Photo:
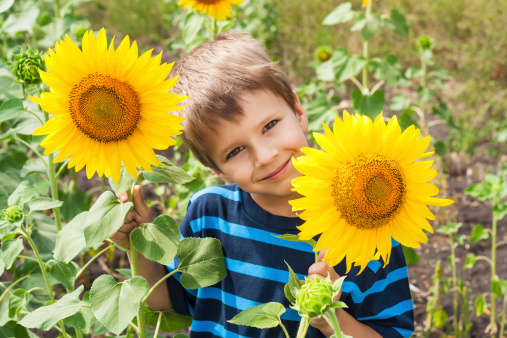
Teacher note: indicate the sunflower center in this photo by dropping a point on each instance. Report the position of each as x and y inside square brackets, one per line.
[369, 190]
[208, 2]
[104, 108]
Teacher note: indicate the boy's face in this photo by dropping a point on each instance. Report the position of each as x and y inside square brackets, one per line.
[256, 153]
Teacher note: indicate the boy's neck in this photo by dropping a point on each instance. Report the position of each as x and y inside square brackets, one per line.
[276, 205]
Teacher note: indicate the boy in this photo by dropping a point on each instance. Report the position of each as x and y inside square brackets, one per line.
[245, 123]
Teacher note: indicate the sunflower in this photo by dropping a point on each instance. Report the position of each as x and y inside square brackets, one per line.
[218, 9]
[110, 106]
[364, 188]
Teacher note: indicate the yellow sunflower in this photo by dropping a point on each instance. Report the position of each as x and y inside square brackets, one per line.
[218, 9]
[109, 105]
[364, 188]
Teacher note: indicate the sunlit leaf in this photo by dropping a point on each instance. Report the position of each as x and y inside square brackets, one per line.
[70, 240]
[368, 104]
[470, 261]
[125, 182]
[478, 233]
[11, 248]
[84, 318]
[10, 108]
[340, 14]
[23, 193]
[43, 203]
[261, 316]
[397, 22]
[167, 173]
[65, 273]
[16, 302]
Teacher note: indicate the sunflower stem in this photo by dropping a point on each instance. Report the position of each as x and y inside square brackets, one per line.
[332, 320]
[366, 54]
[303, 327]
[492, 323]
[53, 182]
[44, 274]
[56, 6]
[455, 287]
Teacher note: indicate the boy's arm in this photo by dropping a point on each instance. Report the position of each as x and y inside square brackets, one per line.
[152, 271]
[348, 324]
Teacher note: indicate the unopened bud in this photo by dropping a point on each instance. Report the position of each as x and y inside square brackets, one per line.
[13, 214]
[425, 42]
[316, 297]
[323, 53]
[26, 67]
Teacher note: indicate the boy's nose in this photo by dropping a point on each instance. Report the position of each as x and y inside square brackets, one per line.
[265, 154]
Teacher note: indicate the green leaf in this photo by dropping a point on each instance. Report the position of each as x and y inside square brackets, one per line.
[17, 300]
[84, 318]
[115, 304]
[8, 88]
[180, 335]
[77, 201]
[292, 286]
[21, 22]
[46, 317]
[157, 241]
[440, 318]
[11, 108]
[343, 66]
[202, 262]
[411, 255]
[405, 119]
[397, 22]
[43, 187]
[295, 238]
[125, 272]
[33, 165]
[5, 5]
[167, 173]
[478, 233]
[170, 322]
[44, 203]
[23, 193]
[370, 104]
[70, 240]
[105, 217]
[387, 69]
[340, 14]
[125, 182]
[44, 232]
[261, 316]
[400, 102]
[65, 273]
[496, 288]
[470, 261]
[480, 305]
[11, 248]
[2, 264]
[192, 25]
[13, 329]
[371, 26]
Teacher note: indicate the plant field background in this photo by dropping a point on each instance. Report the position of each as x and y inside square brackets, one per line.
[470, 43]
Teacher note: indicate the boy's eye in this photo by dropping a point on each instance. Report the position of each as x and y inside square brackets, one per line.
[269, 125]
[235, 152]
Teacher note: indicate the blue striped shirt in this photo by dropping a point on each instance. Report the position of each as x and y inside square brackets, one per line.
[256, 272]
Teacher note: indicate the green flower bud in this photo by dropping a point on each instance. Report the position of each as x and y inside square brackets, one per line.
[13, 214]
[316, 297]
[79, 31]
[425, 42]
[26, 67]
[323, 53]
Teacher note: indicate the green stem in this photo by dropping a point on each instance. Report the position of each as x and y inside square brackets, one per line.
[56, 5]
[64, 164]
[91, 260]
[303, 327]
[11, 287]
[33, 149]
[102, 184]
[332, 320]
[28, 258]
[455, 288]
[53, 182]
[493, 271]
[284, 330]
[79, 334]
[423, 85]
[74, 178]
[157, 328]
[158, 283]
[500, 243]
[45, 275]
[366, 55]
[504, 309]
[215, 27]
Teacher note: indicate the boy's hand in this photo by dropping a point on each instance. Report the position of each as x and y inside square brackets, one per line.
[321, 269]
[137, 216]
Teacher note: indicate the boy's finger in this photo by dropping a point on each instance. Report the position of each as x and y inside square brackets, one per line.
[322, 254]
[139, 204]
[319, 268]
[122, 197]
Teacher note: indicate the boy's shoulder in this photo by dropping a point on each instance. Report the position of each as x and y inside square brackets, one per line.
[217, 193]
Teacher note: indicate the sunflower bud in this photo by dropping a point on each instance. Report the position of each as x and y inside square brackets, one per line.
[323, 53]
[13, 214]
[316, 296]
[425, 42]
[26, 67]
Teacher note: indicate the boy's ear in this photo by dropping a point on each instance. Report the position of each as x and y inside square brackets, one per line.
[222, 175]
[300, 114]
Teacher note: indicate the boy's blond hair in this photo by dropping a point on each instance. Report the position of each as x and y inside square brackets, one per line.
[214, 75]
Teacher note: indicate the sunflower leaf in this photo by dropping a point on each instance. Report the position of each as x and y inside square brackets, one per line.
[16, 302]
[202, 262]
[340, 14]
[167, 173]
[43, 203]
[368, 104]
[65, 273]
[157, 241]
[11, 248]
[46, 317]
[84, 318]
[261, 316]
[170, 321]
[295, 238]
[292, 286]
[124, 183]
[116, 304]
[70, 240]
[11, 109]
[105, 217]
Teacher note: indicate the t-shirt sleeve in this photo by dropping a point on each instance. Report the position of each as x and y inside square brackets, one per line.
[182, 299]
[380, 296]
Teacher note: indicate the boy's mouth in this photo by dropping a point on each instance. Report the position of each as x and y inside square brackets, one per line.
[277, 173]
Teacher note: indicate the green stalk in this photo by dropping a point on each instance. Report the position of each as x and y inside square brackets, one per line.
[158, 283]
[56, 6]
[33, 149]
[157, 328]
[455, 288]
[502, 324]
[83, 268]
[74, 178]
[423, 85]
[332, 320]
[284, 330]
[366, 54]
[102, 184]
[45, 275]
[493, 273]
[303, 327]
[12, 286]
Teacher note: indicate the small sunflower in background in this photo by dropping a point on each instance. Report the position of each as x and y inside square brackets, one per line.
[323, 53]
[365, 188]
[110, 106]
[220, 10]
